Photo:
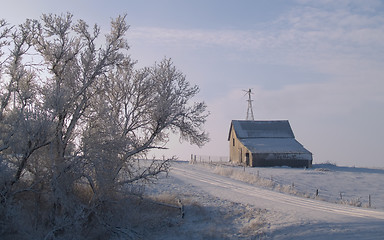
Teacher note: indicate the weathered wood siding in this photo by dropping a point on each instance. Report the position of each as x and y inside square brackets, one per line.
[281, 159]
[237, 151]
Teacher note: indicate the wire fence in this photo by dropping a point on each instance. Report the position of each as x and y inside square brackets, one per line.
[279, 183]
[208, 159]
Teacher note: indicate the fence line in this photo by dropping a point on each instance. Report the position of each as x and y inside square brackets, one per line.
[208, 158]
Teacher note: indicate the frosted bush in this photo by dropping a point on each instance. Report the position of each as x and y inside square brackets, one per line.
[352, 202]
[227, 172]
[244, 176]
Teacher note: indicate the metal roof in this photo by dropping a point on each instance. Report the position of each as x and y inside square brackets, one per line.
[262, 129]
[274, 145]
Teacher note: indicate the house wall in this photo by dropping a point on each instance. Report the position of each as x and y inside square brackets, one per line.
[238, 153]
[282, 159]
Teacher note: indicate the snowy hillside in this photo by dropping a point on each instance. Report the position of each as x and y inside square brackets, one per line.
[336, 184]
[220, 207]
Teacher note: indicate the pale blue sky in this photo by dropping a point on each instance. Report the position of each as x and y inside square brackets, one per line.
[319, 64]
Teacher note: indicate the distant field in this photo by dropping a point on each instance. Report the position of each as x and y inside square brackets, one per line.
[347, 185]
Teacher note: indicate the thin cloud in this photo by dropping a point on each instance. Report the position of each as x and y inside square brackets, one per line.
[303, 33]
[340, 43]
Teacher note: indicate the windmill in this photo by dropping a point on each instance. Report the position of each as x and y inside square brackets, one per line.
[250, 109]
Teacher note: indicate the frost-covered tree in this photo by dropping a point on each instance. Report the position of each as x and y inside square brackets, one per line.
[24, 125]
[76, 115]
[135, 113]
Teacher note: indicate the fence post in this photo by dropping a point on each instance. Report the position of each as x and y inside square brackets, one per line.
[369, 200]
[181, 206]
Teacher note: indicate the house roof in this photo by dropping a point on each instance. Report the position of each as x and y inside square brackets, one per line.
[274, 145]
[262, 129]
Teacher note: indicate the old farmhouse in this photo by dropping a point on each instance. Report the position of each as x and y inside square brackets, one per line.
[266, 144]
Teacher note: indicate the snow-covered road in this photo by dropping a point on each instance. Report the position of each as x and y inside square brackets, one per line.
[287, 210]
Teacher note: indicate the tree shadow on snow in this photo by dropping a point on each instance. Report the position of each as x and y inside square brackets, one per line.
[366, 229]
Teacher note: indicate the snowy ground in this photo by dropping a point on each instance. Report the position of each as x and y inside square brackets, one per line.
[218, 207]
[335, 184]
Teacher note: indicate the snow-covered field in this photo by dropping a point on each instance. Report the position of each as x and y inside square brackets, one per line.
[220, 207]
[348, 185]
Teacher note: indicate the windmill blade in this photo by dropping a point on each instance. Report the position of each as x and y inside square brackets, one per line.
[249, 91]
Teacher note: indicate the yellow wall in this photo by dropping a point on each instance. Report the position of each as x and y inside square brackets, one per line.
[237, 151]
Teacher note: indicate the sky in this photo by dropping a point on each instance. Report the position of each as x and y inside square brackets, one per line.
[317, 63]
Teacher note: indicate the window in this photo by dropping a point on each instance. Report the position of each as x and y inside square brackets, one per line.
[233, 141]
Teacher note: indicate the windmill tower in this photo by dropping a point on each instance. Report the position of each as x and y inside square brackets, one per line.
[250, 109]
